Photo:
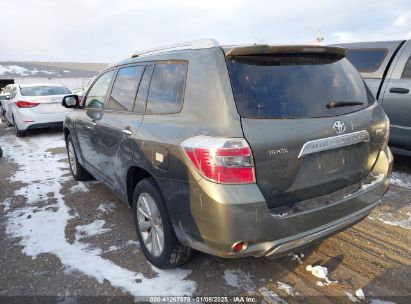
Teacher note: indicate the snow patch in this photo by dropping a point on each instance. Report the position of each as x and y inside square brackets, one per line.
[239, 279]
[135, 243]
[40, 171]
[360, 294]
[113, 248]
[351, 297]
[406, 224]
[94, 228]
[287, 288]
[106, 207]
[13, 69]
[321, 273]
[401, 180]
[400, 223]
[7, 203]
[317, 271]
[41, 228]
[270, 296]
[80, 187]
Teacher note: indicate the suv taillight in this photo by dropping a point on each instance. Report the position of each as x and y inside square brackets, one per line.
[221, 160]
[26, 104]
[387, 133]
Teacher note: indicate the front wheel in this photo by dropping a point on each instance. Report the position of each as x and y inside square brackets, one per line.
[154, 229]
[77, 170]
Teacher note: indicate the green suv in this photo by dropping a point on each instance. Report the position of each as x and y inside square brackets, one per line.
[234, 151]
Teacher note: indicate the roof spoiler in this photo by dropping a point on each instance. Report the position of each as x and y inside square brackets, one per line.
[265, 49]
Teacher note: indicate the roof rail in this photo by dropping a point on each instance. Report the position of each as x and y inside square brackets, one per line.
[188, 45]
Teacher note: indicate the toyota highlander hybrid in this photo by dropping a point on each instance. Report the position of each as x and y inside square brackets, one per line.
[234, 151]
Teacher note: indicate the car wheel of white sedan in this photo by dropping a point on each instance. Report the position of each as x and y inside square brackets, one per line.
[19, 133]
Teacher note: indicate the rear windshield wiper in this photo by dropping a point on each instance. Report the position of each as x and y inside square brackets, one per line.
[337, 104]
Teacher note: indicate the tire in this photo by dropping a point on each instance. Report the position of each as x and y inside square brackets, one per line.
[19, 133]
[8, 124]
[173, 254]
[77, 170]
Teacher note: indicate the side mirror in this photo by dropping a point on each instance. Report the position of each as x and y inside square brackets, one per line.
[7, 96]
[71, 102]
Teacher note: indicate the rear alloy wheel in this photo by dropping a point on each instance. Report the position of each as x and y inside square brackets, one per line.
[154, 229]
[77, 170]
[19, 133]
[150, 224]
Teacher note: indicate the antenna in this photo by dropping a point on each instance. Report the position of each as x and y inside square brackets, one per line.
[319, 38]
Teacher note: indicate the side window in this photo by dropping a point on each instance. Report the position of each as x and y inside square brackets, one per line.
[96, 95]
[125, 88]
[366, 60]
[167, 87]
[407, 69]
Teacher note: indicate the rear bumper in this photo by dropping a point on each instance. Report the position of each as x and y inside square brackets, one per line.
[217, 216]
[27, 119]
[58, 124]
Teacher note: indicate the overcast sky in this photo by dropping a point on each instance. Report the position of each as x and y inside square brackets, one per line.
[109, 30]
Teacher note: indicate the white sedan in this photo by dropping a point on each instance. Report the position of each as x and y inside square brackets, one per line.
[34, 106]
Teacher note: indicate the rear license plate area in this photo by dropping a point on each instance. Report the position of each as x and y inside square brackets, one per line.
[53, 106]
[331, 162]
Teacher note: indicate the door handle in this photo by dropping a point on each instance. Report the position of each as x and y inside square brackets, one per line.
[399, 90]
[127, 132]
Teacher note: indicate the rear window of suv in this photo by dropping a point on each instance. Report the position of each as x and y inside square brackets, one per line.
[44, 91]
[365, 60]
[295, 85]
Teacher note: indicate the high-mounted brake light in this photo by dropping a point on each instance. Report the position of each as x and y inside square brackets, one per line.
[26, 104]
[221, 160]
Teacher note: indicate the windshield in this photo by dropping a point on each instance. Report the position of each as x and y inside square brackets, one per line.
[296, 86]
[367, 61]
[44, 91]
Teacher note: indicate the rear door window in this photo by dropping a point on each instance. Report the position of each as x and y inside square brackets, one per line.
[365, 60]
[167, 87]
[125, 88]
[97, 93]
[407, 69]
[295, 85]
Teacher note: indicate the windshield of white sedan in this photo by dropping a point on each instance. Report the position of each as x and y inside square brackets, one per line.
[44, 91]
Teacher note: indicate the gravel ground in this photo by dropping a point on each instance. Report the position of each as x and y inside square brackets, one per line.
[64, 241]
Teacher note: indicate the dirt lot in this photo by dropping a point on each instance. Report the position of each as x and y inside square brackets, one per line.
[72, 240]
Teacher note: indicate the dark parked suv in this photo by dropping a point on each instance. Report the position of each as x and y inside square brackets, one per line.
[234, 151]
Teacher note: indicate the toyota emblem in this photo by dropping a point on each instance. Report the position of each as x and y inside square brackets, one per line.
[339, 127]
